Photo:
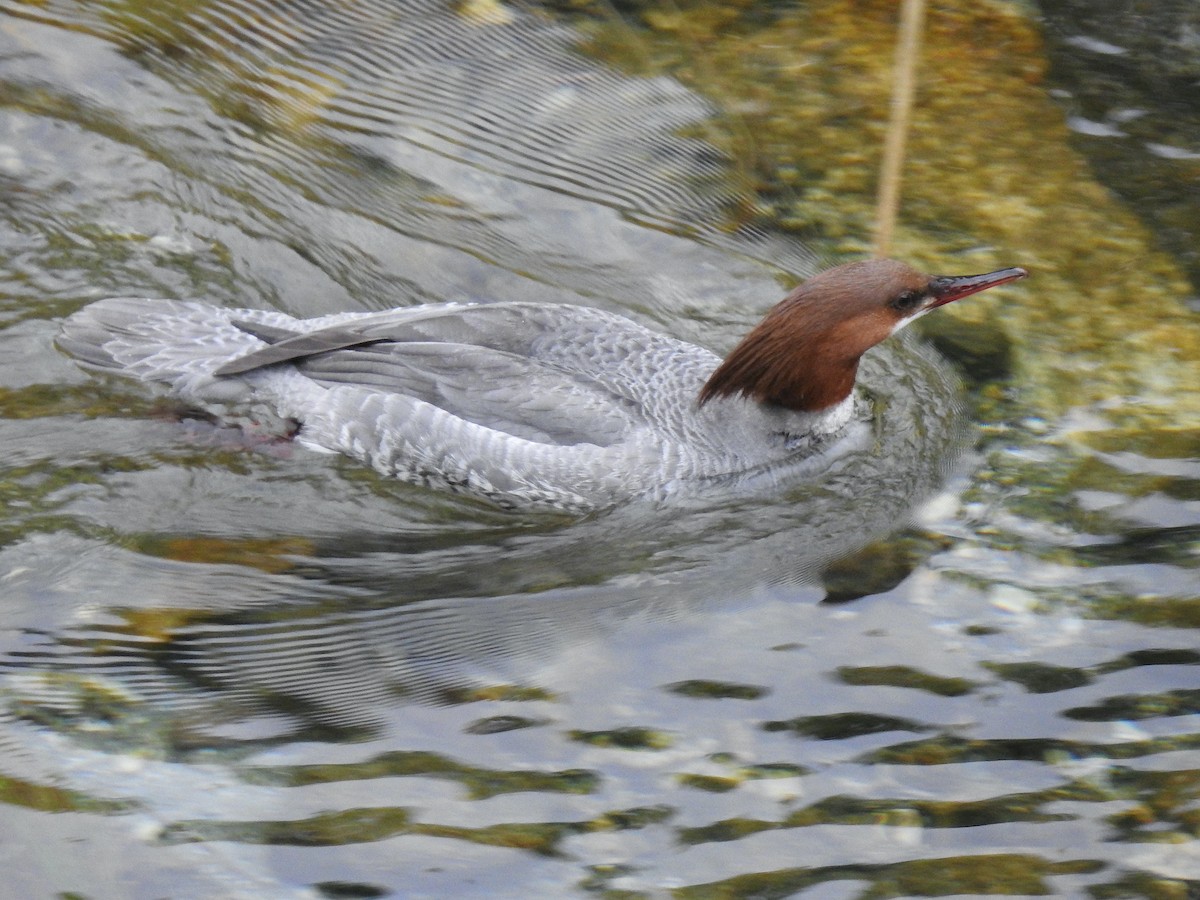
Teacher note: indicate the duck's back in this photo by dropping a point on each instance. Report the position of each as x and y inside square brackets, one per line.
[525, 403]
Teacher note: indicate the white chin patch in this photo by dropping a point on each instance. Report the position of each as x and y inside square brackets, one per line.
[908, 321]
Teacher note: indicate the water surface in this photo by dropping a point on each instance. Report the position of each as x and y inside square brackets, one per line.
[255, 671]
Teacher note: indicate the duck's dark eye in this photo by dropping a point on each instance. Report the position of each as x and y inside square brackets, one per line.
[906, 301]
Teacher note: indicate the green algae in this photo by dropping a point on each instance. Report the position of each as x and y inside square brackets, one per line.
[364, 825]
[713, 784]
[1178, 546]
[516, 693]
[951, 750]
[599, 876]
[906, 813]
[733, 829]
[717, 690]
[984, 874]
[1155, 611]
[32, 497]
[1041, 678]
[500, 724]
[1138, 706]
[1045, 678]
[322, 830]
[79, 701]
[876, 568]
[773, 770]
[629, 737]
[1150, 656]
[1050, 491]
[103, 713]
[738, 773]
[267, 554]
[1025, 807]
[906, 677]
[1179, 442]
[1143, 885]
[1163, 807]
[841, 726]
[50, 798]
[540, 838]
[480, 783]
[37, 401]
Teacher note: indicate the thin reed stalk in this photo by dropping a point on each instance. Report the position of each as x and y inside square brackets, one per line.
[908, 47]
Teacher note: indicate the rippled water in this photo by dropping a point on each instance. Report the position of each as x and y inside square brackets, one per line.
[245, 671]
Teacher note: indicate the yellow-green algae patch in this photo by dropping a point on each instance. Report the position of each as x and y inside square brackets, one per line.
[1041, 678]
[1045, 678]
[738, 774]
[1182, 702]
[356, 826]
[906, 677]
[48, 798]
[43, 400]
[481, 783]
[515, 693]
[713, 784]
[1143, 884]
[946, 750]
[273, 554]
[717, 690]
[97, 712]
[984, 874]
[630, 737]
[990, 179]
[843, 726]
[1029, 806]
[1153, 610]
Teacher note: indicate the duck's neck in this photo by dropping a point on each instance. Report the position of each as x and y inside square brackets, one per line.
[797, 371]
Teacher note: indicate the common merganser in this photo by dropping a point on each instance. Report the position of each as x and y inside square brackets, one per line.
[530, 405]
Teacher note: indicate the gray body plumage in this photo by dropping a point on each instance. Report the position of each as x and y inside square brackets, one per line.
[527, 404]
